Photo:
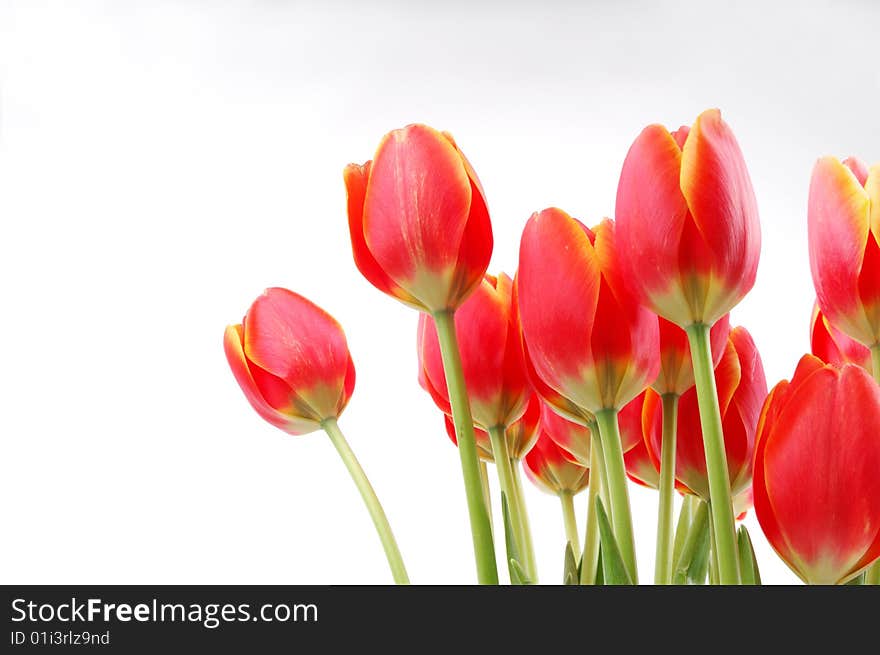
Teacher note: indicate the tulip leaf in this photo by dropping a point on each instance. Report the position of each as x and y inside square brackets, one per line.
[693, 561]
[747, 561]
[514, 568]
[570, 574]
[600, 576]
[613, 568]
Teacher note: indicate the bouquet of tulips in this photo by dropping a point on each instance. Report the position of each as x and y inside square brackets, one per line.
[609, 357]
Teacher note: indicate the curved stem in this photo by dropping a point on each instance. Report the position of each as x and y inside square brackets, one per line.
[508, 488]
[591, 537]
[663, 553]
[571, 527]
[395, 561]
[481, 527]
[872, 573]
[716, 457]
[618, 495]
[526, 524]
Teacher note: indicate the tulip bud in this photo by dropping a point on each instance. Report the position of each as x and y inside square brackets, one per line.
[589, 342]
[834, 347]
[488, 339]
[547, 466]
[741, 384]
[291, 360]
[420, 229]
[817, 471]
[688, 220]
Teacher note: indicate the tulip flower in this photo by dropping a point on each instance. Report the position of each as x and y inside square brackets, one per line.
[742, 388]
[688, 220]
[689, 232]
[587, 339]
[843, 226]
[548, 467]
[817, 471]
[291, 360]
[834, 347]
[420, 232]
[491, 356]
[417, 215]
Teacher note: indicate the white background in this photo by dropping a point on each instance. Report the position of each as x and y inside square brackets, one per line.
[160, 165]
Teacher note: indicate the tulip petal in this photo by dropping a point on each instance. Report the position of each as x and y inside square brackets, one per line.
[719, 194]
[650, 220]
[356, 177]
[838, 227]
[558, 289]
[232, 345]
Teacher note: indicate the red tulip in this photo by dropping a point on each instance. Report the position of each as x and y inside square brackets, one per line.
[547, 466]
[591, 345]
[688, 220]
[676, 370]
[832, 346]
[291, 360]
[488, 339]
[419, 225]
[742, 388]
[817, 471]
[844, 222]
[520, 436]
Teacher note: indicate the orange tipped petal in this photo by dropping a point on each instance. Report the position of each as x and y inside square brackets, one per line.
[557, 296]
[356, 178]
[651, 213]
[839, 227]
[719, 193]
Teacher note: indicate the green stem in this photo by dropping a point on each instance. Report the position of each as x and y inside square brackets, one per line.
[571, 527]
[508, 488]
[872, 573]
[520, 500]
[694, 534]
[663, 553]
[591, 538]
[395, 561]
[487, 494]
[716, 457]
[481, 526]
[618, 495]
